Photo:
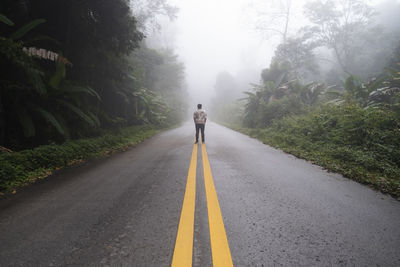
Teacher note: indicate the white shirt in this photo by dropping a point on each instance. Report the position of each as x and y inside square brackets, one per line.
[200, 116]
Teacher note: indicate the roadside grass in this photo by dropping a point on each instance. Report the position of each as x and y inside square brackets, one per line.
[21, 168]
[363, 145]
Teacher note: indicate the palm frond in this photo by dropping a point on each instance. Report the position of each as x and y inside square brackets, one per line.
[26, 122]
[124, 96]
[64, 124]
[26, 28]
[69, 87]
[94, 117]
[40, 37]
[58, 75]
[334, 94]
[51, 119]
[5, 20]
[35, 77]
[280, 79]
[78, 112]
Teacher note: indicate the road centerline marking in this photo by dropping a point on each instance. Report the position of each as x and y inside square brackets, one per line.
[183, 251]
[221, 254]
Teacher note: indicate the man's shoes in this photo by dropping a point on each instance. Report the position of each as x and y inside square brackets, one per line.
[196, 142]
[203, 142]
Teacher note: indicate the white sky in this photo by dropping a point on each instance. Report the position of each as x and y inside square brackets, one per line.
[217, 35]
[212, 37]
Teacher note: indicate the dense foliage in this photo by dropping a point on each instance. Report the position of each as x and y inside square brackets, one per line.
[360, 143]
[26, 166]
[352, 126]
[105, 76]
[354, 130]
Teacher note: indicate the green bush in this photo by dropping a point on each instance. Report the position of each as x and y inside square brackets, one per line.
[23, 167]
[279, 109]
[361, 143]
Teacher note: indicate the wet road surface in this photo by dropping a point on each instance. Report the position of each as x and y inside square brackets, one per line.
[125, 210]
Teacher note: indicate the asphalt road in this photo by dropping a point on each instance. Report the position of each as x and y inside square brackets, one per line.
[124, 210]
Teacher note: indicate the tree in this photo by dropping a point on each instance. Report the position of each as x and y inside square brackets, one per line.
[251, 108]
[277, 72]
[33, 102]
[297, 53]
[147, 11]
[108, 84]
[226, 92]
[274, 18]
[345, 26]
[278, 96]
[169, 84]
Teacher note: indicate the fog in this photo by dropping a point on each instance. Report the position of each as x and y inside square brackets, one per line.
[214, 36]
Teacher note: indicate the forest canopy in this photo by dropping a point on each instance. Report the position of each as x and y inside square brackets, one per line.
[73, 69]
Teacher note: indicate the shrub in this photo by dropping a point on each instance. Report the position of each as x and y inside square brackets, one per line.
[361, 143]
[19, 168]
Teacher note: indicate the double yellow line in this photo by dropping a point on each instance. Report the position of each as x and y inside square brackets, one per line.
[221, 255]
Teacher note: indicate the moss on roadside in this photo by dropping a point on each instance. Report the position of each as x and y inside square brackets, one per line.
[24, 167]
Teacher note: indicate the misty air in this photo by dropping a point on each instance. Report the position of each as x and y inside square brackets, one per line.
[200, 133]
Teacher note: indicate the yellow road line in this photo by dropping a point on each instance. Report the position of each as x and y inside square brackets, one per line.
[221, 254]
[184, 240]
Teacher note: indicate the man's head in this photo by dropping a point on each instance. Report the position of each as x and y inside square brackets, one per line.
[199, 106]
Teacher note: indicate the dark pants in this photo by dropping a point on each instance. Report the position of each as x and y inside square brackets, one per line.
[200, 127]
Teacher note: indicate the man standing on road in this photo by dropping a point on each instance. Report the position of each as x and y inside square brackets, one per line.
[200, 118]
